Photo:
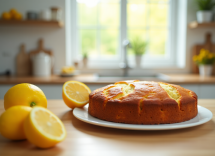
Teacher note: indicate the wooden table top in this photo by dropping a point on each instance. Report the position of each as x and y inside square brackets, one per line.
[84, 139]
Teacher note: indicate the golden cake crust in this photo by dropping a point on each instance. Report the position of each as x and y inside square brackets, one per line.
[143, 102]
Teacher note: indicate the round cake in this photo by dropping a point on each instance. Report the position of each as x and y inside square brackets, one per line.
[143, 102]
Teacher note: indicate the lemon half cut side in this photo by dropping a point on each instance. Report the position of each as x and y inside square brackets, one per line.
[75, 94]
[43, 128]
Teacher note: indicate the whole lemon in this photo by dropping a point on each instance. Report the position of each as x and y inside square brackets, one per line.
[6, 16]
[17, 16]
[12, 122]
[13, 11]
[25, 94]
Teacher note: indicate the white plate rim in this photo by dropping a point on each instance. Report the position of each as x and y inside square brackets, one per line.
[204, 115]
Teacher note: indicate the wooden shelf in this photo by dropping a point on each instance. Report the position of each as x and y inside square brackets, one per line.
[195, 24]
[31, 23]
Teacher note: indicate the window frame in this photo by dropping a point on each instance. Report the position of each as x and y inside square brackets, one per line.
[72, 41]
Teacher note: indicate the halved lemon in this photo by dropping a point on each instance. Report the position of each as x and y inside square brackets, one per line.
[75, 94]
[43, 128]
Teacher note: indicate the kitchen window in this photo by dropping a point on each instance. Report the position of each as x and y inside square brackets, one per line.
[98, 28]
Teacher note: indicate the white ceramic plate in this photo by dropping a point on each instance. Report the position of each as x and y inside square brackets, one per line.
[204, 115]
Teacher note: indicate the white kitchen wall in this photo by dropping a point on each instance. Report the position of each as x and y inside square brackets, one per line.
[11, 37]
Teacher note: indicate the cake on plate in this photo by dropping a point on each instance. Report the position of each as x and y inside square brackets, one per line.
[143, 102]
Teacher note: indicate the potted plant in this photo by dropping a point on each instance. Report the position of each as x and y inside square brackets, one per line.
[205, 61]
[205, 12]
[139, 48]
[85, 59]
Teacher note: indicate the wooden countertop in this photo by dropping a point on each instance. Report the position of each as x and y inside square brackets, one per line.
[188, 79]
[54, 79]
[84, 139]
[93, 79]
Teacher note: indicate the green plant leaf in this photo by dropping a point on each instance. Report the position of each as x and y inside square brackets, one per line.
[139, 46]
[205, 4]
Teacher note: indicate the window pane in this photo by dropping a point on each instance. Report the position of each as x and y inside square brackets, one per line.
[157, 42]
[109, 14]
[159, 1]
[136, 1]
[109, 43]
[151, 18]
[87, 15]
[137, 14]
[158, 14]
[99, 29]
[88, 42]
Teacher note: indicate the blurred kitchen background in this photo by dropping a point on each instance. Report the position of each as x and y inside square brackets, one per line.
[98, 42]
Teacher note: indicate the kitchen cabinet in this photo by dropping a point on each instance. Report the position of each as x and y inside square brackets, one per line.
[54, 91]
[204, 91]
[52, 86]
[193, 87]
[207, 91]
[51, 91]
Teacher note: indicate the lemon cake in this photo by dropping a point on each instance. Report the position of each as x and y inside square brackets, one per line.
[143, 102]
